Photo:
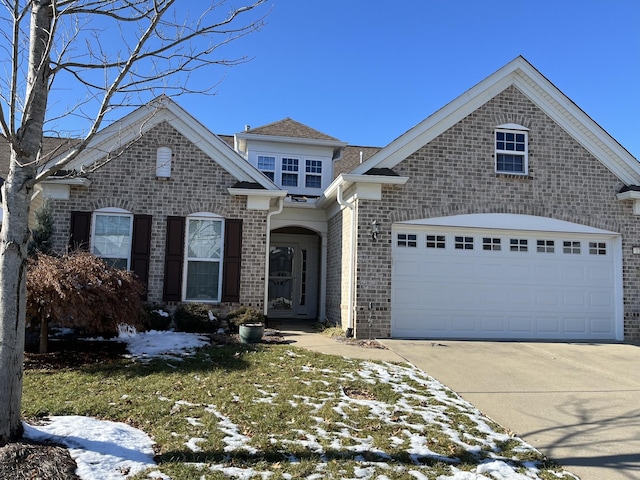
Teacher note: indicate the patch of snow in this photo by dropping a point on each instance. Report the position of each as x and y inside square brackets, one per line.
[102, 449]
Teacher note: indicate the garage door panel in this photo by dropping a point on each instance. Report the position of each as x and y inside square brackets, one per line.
[547, 297]
[407, 269]
[449, 293]
[573, 274]
[574, 298]
[601, 299]
[542, 274]
[518, 272]
[548, 325]
[492, 324]
[521, 324]
[600, 273]
[519, 296]
[601, 325]
[464, 324]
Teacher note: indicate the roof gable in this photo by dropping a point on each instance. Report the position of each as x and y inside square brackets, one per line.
[132, 126]
[546, 96]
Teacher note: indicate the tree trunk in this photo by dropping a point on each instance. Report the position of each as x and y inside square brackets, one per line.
[13, 299]
[14, 235]
[44, 336]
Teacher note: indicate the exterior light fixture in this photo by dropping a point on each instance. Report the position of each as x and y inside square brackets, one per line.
[635, 249]
[375, 230]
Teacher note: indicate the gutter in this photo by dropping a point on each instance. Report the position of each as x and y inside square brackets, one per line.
[270, 214]
[352, 258]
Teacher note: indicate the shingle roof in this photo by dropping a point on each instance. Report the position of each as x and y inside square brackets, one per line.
[290, 128]
[351, 158]
[51, 146]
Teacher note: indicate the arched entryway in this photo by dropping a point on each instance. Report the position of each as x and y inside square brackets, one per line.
[294, 279]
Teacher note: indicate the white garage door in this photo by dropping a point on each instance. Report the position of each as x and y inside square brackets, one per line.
[499, 276]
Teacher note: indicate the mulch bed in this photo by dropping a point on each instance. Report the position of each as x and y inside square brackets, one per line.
[26, 460]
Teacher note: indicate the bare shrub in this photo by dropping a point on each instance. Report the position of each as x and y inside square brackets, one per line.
[79, 290]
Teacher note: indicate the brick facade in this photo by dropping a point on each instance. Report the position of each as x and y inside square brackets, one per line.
[197, 184]
[455, 174]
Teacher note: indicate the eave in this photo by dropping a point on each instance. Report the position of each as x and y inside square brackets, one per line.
[372, 186]
[257, 199]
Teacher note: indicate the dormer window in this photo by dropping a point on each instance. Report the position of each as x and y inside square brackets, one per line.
[313, 174]
[290, 172]
[511, 153]
[267, 165]
[163, 162]
[297, 173]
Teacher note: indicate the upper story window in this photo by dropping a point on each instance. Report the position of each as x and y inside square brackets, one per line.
[163, 162]
[313, 174]
[111, 236]
[297, 173]
[290, 167]
[267, 165]
[512, 149]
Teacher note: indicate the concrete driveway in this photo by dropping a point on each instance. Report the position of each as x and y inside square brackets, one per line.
[579, 404]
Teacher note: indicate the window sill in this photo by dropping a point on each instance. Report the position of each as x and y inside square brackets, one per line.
[514, 176]
[163, 179]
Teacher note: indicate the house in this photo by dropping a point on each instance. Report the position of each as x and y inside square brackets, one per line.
[507, 214]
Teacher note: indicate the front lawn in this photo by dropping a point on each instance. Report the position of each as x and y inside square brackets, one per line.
[277, 412]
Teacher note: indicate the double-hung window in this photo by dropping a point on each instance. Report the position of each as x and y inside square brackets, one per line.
[511, 149]
[313, 174]
[267, 165]
[290, 168]
[111, 234]
[203, 259]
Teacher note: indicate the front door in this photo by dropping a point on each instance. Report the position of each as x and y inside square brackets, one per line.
[292, 279]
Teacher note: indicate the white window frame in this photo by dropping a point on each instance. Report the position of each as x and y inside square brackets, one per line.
[408, 240]
[316, 163]
[511, 129]
[268, 172]
[316, 166]
[164, 156]
[294, 163]
[112, 212]
[220, 259]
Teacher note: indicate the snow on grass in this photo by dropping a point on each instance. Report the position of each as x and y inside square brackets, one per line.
[164, 344]
[101, 449]
[116, 451]
[112, 450]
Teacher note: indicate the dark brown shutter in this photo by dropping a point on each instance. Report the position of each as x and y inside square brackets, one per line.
[80, 231]
[173, 257]
[141, 248]
[232, 260]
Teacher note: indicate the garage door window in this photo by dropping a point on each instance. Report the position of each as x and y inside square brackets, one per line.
[546, 246]
[571, 247]
[407, 240]
[597, 248]
[518, 245]
[436, 241]
[464, 243]
[491, 244]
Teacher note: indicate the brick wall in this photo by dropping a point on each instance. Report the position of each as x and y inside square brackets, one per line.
[197, 184]
[454, 174]
[338, 265]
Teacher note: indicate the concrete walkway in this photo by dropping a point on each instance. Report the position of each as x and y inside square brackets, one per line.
[579, 404]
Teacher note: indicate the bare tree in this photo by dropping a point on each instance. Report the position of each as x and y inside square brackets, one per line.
[117, 53]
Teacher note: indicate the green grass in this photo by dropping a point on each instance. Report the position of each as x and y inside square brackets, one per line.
[295, 413]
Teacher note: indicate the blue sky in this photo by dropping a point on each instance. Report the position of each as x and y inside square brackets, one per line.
[365, 71]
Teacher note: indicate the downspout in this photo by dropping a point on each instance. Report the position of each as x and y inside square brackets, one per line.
[266, 256]
[352, 259]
